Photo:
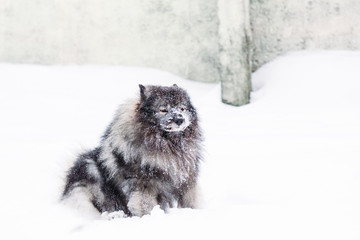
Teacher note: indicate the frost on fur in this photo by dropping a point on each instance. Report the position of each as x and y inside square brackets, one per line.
[148, 156]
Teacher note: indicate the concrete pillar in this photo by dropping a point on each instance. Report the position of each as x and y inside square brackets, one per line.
[234, 48]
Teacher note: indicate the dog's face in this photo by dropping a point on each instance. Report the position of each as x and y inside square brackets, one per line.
[169, 108]
[173, 118]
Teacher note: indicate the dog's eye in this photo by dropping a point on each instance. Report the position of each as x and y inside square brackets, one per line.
[163, 110]
[182, 109]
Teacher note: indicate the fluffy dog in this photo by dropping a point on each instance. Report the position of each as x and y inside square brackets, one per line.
[148, 156]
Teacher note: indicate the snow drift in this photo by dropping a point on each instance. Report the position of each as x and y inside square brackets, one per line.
[285, 166]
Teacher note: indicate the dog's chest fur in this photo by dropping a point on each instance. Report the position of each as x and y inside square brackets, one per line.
[156, 155]
[174, 169]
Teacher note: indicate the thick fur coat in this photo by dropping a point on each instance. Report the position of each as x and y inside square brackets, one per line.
[148, 156]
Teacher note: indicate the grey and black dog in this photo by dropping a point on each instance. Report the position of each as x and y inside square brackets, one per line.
[148, 156]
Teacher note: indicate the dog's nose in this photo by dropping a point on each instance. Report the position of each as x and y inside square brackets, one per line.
[179, 120]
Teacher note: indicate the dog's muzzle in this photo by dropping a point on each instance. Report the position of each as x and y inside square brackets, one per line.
[175, 121]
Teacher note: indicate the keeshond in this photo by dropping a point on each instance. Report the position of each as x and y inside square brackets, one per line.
[148, 156]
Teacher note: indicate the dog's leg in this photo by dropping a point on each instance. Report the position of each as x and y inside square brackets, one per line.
[191, 198]
[141, 203]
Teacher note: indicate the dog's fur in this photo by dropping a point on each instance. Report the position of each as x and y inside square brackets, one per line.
[148, 156]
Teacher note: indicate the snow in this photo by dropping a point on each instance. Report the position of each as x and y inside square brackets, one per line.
[285, 166]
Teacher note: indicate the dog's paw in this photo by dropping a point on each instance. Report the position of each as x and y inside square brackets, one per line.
[113, 215]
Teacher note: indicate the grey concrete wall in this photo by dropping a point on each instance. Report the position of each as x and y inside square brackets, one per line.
[176, 36]
[279, 26]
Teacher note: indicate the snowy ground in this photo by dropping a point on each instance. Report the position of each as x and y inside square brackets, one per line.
[286, 166]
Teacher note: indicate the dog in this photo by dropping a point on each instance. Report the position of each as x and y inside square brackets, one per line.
[149, 155]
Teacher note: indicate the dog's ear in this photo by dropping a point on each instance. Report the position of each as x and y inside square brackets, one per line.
[174, 85]
[142, 92]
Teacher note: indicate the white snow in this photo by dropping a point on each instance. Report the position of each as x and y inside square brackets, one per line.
[285, 166]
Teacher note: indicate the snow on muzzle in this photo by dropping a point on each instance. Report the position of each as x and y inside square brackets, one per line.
[176, 120]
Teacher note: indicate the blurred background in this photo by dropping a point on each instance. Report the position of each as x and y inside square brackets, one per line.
[202, 40]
